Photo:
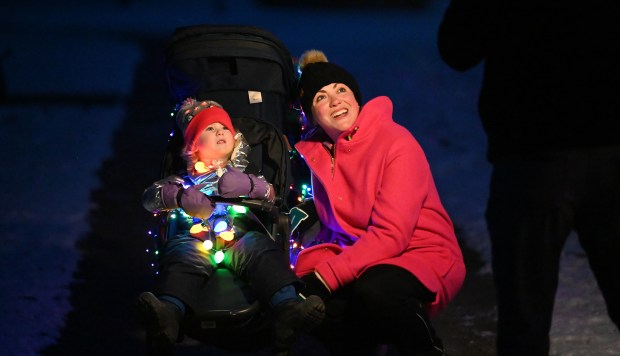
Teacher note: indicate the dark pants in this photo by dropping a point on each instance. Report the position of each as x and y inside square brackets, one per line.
[384, 305]
[185, 267]
[533, 206]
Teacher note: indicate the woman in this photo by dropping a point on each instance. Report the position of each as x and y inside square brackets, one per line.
[386, 257]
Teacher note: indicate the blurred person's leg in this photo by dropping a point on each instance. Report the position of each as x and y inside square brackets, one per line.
[529, 218]
[598, 223]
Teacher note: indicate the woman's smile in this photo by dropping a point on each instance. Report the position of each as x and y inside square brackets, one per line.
[339, 113]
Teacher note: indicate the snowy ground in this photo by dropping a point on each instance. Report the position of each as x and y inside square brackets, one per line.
[68, 70]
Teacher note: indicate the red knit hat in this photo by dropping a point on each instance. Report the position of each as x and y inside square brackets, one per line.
[204, 118]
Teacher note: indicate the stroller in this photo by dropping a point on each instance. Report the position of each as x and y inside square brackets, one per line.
[250, 73]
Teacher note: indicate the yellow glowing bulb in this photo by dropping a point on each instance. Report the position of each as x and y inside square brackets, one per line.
[199, 231]
[227, 235]
[207, 244]
[200, 167]
[197, 228]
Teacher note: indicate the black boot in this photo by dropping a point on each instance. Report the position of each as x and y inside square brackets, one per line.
[161, 321]
[294, 316]
[422, 339]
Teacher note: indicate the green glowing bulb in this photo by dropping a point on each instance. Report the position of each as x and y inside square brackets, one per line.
[219, 256]
[239, 209]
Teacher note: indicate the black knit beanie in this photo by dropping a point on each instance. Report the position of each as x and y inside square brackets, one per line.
[317, 72]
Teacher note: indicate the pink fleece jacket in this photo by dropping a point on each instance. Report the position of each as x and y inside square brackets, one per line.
[377, 199]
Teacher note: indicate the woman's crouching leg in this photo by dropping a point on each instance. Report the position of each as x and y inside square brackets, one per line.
[395, 302]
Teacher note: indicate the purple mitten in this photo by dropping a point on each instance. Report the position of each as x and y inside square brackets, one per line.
[169, 192]
[234, 183]
[195, 202]
[191, 200]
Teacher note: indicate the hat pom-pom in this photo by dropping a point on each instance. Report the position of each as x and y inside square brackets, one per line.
[311, 56]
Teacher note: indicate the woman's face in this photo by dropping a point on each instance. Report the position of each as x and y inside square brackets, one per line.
[335, 109]
[215, 143]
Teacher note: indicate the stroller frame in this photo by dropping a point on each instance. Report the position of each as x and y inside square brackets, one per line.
[227, 53]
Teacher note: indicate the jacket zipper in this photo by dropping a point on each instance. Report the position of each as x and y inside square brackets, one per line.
[332, 154]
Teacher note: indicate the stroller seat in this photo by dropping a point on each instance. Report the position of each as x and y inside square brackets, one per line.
[251, 74]
[228, 308]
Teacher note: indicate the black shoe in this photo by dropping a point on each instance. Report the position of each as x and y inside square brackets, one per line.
[422, 340]
[296, 316]
[160, 319]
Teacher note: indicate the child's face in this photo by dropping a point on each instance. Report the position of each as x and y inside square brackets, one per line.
[215, 143]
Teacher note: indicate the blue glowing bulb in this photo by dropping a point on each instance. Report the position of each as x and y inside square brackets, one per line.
[220, 226]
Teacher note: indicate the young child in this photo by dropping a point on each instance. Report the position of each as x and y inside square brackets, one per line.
[216, 164]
